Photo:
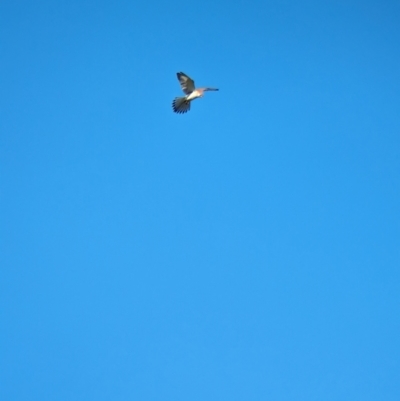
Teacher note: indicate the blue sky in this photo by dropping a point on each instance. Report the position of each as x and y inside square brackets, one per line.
[247, 250]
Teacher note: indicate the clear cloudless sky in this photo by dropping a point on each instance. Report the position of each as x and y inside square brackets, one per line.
[246, 250]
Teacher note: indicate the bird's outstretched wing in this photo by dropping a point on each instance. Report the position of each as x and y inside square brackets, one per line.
[187, 84]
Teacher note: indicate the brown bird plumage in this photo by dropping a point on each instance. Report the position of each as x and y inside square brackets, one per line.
[182, 104]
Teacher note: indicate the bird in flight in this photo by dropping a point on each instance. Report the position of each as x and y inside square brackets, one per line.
[182, 104]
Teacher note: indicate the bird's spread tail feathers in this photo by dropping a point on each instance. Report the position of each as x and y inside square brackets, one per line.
[181, 105]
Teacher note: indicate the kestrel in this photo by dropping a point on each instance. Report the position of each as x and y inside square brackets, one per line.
[182, 104]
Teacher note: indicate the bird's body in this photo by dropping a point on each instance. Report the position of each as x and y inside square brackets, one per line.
[182, 104]
[194, 95]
